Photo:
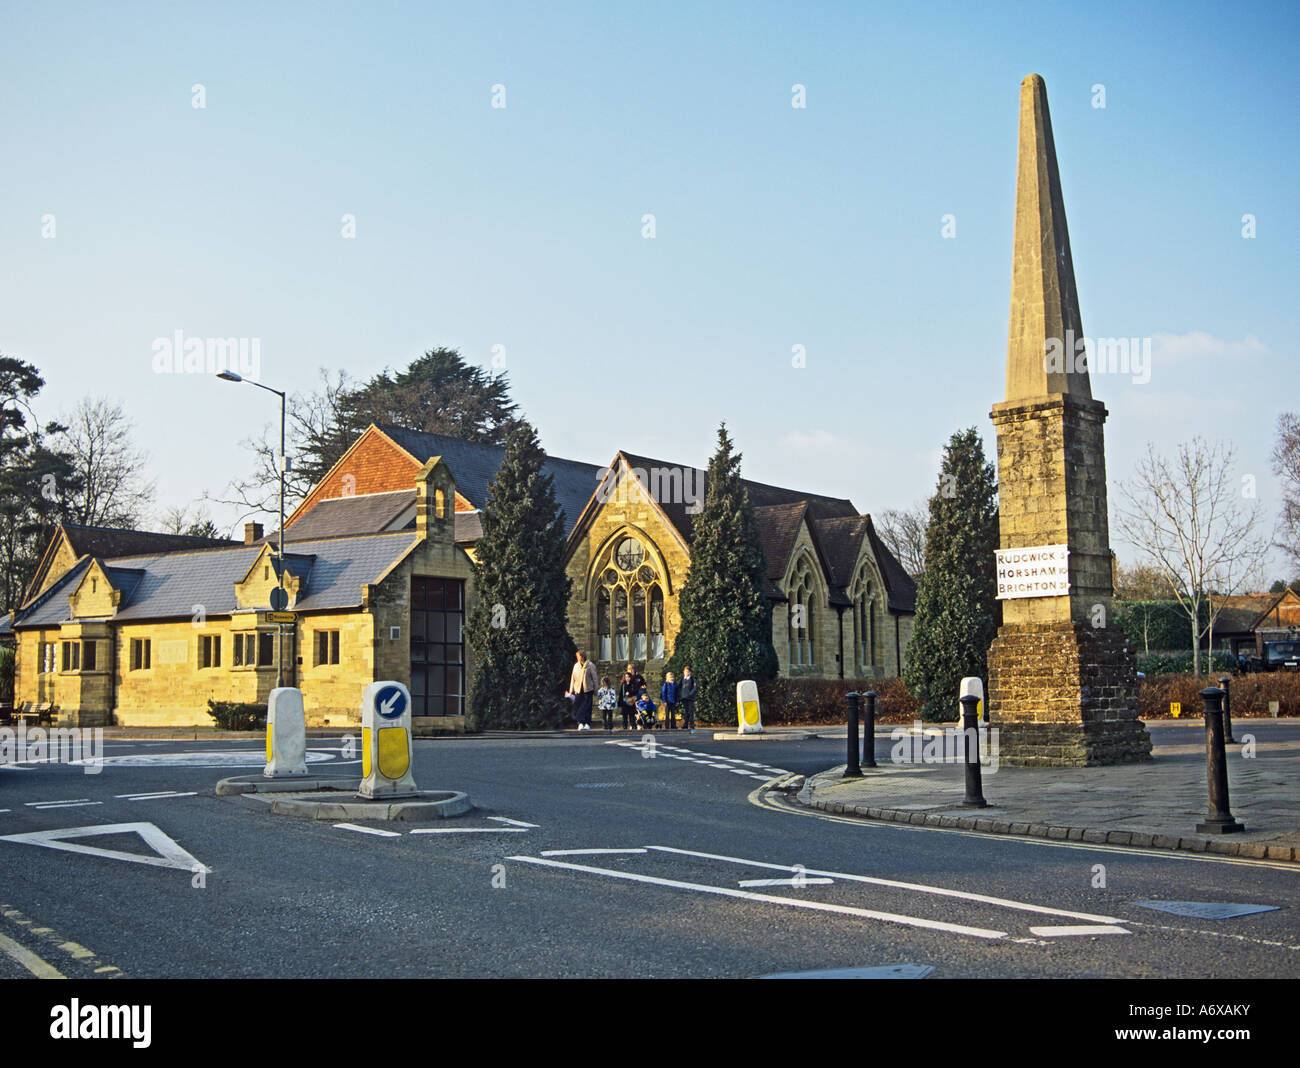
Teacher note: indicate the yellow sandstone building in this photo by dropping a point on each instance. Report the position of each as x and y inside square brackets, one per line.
[140, 629]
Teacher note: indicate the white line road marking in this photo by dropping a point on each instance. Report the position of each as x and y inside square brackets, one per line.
[155, 796]
[1068, 932]
[367, 830]
[796, 881]
[470, 830]
[170, 854]
[512, 823]
[29, 960]
[5, 810]
[771, 899]
[585, 852]
[65, 804]
[919, 887]
[66, 801]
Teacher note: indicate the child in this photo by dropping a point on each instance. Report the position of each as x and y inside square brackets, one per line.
[668, 694]
[607, 701]
[646, 709]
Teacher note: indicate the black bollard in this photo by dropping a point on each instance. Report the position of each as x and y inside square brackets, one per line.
[869, 731]
[1219, 820]
[1226, 683]
[971, 752]
[851, 769]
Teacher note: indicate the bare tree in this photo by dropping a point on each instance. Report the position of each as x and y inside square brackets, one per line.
[180, 520]
[1190, 518]
[111, 491]
[903, 532]
[1286, 465]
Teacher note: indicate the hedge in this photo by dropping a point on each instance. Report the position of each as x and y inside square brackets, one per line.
[1181, 663]
[796, 702]
[1251, 694]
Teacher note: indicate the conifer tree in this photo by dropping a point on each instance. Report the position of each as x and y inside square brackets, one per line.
[957, 612]
[726, 631]
[518, 628]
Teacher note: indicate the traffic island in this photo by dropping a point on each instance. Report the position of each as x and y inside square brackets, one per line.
[339, 801]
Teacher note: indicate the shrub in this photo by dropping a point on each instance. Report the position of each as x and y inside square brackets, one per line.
[237, 715]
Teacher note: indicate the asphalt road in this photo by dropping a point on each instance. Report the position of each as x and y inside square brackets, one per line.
[693, 836]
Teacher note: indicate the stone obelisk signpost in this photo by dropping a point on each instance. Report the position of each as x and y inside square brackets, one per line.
[1062, 684]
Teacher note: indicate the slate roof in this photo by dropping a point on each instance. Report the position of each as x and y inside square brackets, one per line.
[170, 584]
[338, 517]
[760, 495]
[474, 465]
[108, 542]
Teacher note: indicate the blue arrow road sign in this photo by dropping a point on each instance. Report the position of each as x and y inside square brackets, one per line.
[390, 702]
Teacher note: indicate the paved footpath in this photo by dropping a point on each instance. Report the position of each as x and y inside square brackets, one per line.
[1154, 805]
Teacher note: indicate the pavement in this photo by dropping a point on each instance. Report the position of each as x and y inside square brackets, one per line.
[1156, 805]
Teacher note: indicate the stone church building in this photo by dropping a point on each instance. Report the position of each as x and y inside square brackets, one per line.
[142, 629]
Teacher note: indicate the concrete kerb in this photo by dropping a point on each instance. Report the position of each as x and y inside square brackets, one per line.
[335, 799]
[985, 824]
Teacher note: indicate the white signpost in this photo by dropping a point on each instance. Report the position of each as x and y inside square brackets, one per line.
[748, 714]
[386, 748]
[1034, 571]
[286, 734]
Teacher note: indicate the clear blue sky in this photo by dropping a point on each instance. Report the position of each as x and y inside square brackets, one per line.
[775, 226]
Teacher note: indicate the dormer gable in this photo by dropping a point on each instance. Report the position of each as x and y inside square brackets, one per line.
[101, 591]
[254, 589]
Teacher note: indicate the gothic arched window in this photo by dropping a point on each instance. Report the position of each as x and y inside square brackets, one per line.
[801, 616]
[631, 582]
[866, 621]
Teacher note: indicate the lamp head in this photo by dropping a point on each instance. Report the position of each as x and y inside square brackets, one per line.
[229, 376]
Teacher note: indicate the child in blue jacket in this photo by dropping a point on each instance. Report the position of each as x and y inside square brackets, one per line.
[668, 694]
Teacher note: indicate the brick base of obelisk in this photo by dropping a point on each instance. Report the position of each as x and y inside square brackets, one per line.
[1064, 694]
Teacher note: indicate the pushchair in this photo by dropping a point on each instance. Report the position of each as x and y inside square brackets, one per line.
[645, 717]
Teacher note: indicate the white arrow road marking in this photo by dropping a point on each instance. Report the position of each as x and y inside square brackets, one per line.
[771, 899]
[919, 887]
[1066, 932]
[367, 830]
[512, 823]
[170, 854]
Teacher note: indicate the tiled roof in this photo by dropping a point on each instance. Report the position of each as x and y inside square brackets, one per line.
[901, 587]
[778, 527]
[171, 584]
[108, 542]
[473, 465]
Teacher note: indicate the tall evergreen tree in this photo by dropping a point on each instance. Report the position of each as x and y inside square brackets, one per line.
[726, 632]
[518, 627]
[957, 612]
[37, 480]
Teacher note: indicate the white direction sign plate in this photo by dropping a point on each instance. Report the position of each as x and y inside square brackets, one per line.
[1034, 571]
[169, 854]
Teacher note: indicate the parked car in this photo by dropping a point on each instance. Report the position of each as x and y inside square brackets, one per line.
[1277, 656]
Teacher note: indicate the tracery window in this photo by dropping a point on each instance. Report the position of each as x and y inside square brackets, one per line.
[801, 616]
[865, 619]
[630, 606]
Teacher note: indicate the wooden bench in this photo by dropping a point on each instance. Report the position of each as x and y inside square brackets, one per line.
[42, 713]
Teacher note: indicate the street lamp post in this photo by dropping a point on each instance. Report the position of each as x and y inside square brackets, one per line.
[282, 600]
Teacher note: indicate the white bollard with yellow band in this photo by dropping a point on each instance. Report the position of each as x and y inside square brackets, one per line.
[286, 734]
[748, 713]
[386, 748]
